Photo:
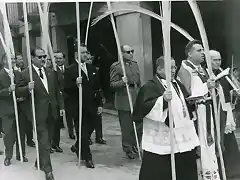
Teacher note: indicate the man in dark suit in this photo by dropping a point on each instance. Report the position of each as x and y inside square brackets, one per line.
[59, 59]
[88, 104]
[46, 102]
[1, 129]
[7, 111]
[98, 98]
[29, 128]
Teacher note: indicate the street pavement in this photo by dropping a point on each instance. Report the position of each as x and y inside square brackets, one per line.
[110, 162]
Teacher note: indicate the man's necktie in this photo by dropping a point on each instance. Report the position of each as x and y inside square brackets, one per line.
[40, 73]
[62, 70]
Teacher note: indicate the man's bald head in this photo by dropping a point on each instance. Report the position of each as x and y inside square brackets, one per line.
[214, 53]
[127, 52]
[216, 59]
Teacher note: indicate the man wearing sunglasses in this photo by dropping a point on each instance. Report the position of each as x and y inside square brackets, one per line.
[118, 83]
[46, 101]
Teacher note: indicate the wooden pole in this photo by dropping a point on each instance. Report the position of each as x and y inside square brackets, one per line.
[45, 32]
[8, 45]
[166, 12]
[124, 74]
[31, 80]
[198, 17]
[88, 23]
[80, 76]
[13, 94]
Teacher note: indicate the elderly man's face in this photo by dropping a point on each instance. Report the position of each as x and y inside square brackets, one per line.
[216, 61]
[127, 53]
[5, 62]
[162, 73]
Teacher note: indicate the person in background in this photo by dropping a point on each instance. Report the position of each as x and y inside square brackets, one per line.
[7, 111]
[98, 96]
[59, 59]
[19, 61]
[118, 84]
[29, 127]
[231, 153]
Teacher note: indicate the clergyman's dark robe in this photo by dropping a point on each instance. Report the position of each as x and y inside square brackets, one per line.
[158, 166]
[231, 153]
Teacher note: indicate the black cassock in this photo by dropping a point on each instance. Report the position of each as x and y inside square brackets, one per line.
[231, 153]
[155, 166]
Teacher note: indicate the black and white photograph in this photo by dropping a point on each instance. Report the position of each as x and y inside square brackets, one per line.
[120, 90]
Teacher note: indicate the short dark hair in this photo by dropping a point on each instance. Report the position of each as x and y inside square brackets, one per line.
[17, 54]
[33, 51]
[190, 45]
[81, 45]
[60, 52]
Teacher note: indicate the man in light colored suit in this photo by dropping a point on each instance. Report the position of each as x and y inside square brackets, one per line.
[118, 83]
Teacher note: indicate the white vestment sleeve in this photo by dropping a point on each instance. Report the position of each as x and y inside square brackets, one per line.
[157, 113]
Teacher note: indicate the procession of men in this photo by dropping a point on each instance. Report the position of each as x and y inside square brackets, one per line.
[56, 95]
[180, 124]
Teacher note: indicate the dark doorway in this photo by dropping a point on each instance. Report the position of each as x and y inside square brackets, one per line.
[102, 44]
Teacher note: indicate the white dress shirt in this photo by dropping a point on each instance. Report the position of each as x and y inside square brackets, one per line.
[44, 80]
[62, 68]
[84, 68]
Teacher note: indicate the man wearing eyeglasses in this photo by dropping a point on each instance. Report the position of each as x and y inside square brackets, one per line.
[118, 83]
[46, 102]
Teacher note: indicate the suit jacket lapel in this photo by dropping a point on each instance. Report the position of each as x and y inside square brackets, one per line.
[48, 79]
[6, 77]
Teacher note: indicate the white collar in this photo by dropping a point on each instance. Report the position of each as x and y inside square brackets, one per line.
[37, 68]
[199, 66]
[7, 70]
[83, 64]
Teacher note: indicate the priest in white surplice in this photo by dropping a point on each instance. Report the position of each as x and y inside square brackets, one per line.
[196, 80]
[152, 107]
